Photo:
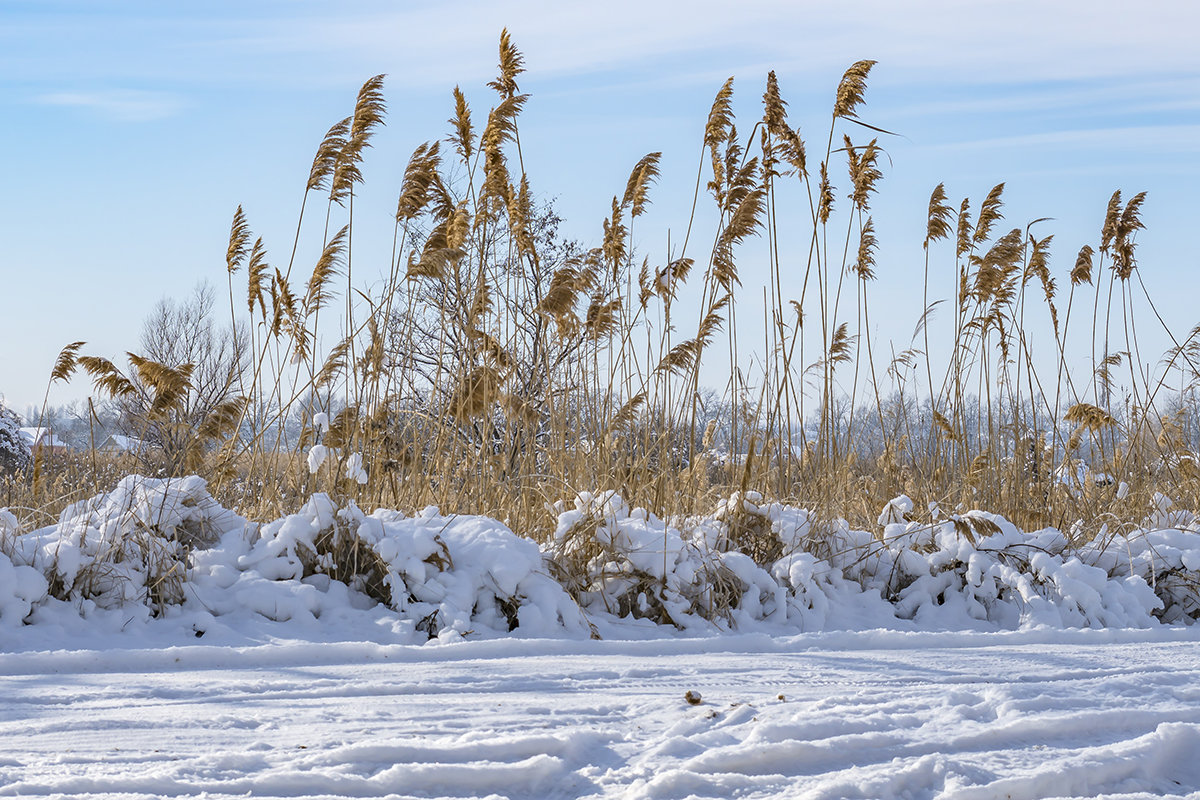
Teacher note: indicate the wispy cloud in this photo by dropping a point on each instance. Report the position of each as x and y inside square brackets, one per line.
[1105, 98]
[983, 42]
[123, 105]
[1161, 139]
[426, 44]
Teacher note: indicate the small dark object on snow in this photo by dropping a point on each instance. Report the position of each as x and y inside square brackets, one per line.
[693, 698]
[431, 625]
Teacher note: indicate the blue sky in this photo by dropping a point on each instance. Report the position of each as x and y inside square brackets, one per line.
[134, 129]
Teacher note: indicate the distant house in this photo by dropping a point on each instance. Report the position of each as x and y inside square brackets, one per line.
[117, 444]
[43, 439]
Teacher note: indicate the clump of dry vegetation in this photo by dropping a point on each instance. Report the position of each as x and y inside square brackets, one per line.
[496, 369]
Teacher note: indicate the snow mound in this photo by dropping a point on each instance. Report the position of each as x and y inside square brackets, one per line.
[980, 568]
[21, 586]
[752, 562]
[446, 576]
[166, 549]
[130, 545]
[1167, 559]
[627, 562]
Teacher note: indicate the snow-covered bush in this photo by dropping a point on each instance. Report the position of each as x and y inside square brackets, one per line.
[1164, 553]
[628, 562]
[167, 548]
[747, 528]
[14, 449]
[1168, 560]
[129, 545]
[20, 588]
[980, 568]
[968, 570]
[445, 575]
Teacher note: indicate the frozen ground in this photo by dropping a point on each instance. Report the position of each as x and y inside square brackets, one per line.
[873, 714]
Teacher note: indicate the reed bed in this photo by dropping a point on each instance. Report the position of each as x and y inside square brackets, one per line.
[495, 369]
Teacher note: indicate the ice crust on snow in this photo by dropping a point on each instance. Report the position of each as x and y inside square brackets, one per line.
[166, 553]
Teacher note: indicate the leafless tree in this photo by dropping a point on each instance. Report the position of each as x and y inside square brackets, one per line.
[187, 332]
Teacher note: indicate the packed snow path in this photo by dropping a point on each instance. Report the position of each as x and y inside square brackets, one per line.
[871, 715]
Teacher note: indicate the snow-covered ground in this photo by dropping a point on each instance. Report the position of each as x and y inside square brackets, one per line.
[868, 715]
[153, 644]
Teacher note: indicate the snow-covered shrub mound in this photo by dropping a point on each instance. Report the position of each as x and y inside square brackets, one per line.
[21, 586]
[780, 553]
[628, 562]
[166, 548]
[752, 562]
[979, 567]
[447, 575]
[1165, 553]
[745, 525]
[1167, 559]
[130, 545]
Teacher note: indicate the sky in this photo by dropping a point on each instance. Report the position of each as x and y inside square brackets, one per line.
[134, 130]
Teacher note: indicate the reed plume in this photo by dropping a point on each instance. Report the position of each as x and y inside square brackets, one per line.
[940, 213]
[239, 242]
[65, 364]
[369, 111]
[851, 89]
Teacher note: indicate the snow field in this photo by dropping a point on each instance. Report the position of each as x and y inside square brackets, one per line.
[155, 644]
[868, 715]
